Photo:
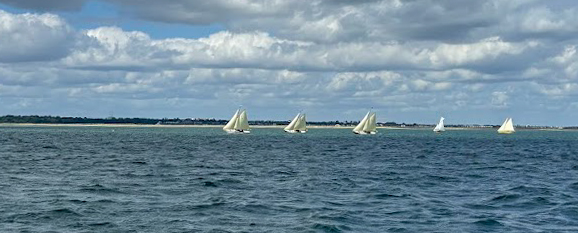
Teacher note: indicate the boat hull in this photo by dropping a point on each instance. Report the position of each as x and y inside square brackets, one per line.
[295, 131]
[232, 131]
[364, 132]
[506, 132]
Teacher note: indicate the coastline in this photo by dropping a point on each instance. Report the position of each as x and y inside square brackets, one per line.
[252, 126]
[155, 126]
[208, 126]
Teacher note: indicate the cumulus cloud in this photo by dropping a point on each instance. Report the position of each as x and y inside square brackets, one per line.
[33, 37]
[320, 20]
[335, 21]
[499, 99]
[542, 20]
[568, 62]
[114, 48]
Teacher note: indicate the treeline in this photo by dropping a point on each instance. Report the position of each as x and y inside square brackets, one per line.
[35, 119]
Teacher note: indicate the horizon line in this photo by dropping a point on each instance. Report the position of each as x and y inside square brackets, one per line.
[338, 121]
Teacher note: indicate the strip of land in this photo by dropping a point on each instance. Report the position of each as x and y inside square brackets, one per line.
[12, 120]
[207, 126]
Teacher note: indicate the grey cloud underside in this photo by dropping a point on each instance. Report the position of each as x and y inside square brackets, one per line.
[356, 20]
[46, 5]
[333, 21]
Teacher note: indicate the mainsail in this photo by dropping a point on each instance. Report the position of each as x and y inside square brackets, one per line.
[243, 122]
[361, 124]
[440, 126]
[507, 126]
[231, 124]
[301, 124]
[371, 124]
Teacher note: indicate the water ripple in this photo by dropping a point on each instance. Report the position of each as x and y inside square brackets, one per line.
[69, 179]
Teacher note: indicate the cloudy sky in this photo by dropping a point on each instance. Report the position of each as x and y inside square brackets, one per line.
[411, 60]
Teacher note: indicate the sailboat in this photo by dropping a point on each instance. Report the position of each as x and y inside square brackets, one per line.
[440, 126]
[239, 124]
[297, 125]
[368, 124]
[507, 127]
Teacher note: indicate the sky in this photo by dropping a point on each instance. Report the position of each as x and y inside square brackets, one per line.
[472, 62]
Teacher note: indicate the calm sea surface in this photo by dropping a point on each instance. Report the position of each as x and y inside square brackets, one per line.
[102, 179]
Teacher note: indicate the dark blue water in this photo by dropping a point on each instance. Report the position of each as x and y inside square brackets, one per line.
[101, 179]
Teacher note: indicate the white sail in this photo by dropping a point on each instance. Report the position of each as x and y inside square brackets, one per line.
[361, 124]
[243, 122]
[507, 126]
[291, 125]
[371, 125]
[510, 125]
[301, 124]
[440, 126]
[502, 127]
[231, 124]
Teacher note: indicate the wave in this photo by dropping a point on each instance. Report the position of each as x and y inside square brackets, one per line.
[63, 211]
[488, 222]
[329, 227]
[100, 189]
[505, 198]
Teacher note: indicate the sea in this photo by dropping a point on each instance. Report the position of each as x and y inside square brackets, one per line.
[152, 179]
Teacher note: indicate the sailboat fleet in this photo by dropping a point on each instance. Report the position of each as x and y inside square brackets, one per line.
[239, 124]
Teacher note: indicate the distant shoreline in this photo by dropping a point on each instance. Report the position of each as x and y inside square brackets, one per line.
[155, 126]
[120, 125]
[35, 120]
[208, 126]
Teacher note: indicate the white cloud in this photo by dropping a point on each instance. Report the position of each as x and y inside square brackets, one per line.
[360, 82]
[486, 49]
[114, 48]
[544, 20]
[500, 99]
[33, 37]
